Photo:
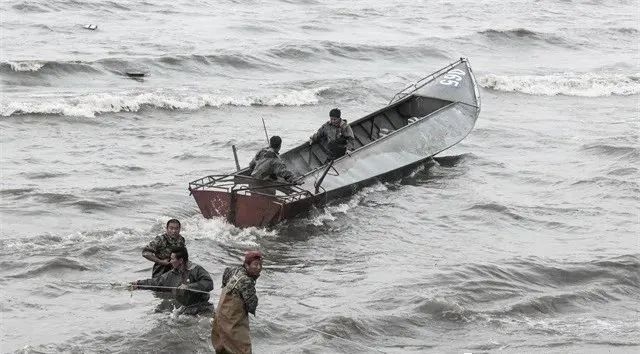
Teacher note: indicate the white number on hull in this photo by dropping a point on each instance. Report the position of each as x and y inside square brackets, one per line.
[453, 78]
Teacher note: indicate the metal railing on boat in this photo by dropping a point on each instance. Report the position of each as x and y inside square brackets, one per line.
[285, 192]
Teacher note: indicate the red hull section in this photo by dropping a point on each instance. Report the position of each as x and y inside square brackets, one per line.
[248, 210]
[245, 202]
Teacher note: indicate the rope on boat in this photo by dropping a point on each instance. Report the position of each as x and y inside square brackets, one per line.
[327, 334]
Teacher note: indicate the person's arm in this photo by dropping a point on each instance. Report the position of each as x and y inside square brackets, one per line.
[226, 276]
[203, 280]
[149, 252]
[348, 134]
[281, 171]
[247, 289]
[319, 134]
[252, 164]
[158, 281]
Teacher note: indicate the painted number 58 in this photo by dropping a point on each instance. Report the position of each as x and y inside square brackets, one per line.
[452, 78]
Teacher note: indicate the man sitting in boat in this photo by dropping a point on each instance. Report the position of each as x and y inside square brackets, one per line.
[336, 134]
[267, 165]
[159, 250]
[189, 282]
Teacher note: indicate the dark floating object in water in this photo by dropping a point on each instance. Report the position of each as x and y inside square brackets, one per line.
[135, 74]
[90, 27]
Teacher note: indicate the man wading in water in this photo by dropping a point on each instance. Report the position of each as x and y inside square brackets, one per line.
[230, 332]
[159, 250]
[184, 276]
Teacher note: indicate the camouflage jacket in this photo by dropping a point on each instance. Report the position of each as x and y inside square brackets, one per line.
[246, 287]
[161, 247]
[341, 136]
[268, 165]
[193, 275]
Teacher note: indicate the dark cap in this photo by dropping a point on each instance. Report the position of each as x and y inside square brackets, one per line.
[334, 113]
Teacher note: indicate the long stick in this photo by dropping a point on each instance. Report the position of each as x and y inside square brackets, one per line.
[235, 157]
[266, 135]
[144, 287]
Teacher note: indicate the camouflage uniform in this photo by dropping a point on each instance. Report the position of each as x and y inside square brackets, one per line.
[161, 247]
[196, 277]
[267, 165]
[337, 139]
[246, 287]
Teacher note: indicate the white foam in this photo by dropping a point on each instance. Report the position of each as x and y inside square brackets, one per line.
[221, 231]
[569, 84]
[25, 65]
[91, 104]
[328, 213]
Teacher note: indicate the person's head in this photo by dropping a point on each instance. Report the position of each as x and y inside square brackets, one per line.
[173, 228]
[334, 116]
[275, 143]
[179, 257]
[253, 263]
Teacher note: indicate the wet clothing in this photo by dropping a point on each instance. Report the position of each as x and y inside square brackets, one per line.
[230, 332]
[267, 165]
[336, 139]
[161, 247]
[193, 275]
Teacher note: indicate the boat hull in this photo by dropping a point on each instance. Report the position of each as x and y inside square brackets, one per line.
[427, 118]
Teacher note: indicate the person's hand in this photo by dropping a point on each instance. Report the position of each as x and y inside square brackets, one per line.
[165, 262]
[310, 142]
[183, 287]
[133, 285]
[299, 182]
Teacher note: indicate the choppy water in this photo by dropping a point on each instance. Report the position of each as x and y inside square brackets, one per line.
[525, 239]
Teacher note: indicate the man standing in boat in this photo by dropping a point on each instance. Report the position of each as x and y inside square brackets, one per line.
[337, 135]
[190, 283]
[158, 251]
[267, 164]
[230, 332]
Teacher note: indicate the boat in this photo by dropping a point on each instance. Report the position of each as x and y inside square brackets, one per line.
[422, 120]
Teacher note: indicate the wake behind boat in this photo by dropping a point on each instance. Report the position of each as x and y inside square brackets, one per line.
[419, 122]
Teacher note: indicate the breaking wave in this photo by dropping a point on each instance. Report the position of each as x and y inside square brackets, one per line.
[121, 65]
[568, 84]
[92, 104]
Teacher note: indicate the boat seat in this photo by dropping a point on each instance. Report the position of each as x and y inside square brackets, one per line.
[361, 135]
[395, 119]
[371, 129]
[382, 122]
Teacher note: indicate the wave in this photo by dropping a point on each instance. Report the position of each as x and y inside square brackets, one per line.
[55, 265]
[501, 209]
[16, 192]
[120, 66]
[522, 35]
[559, 303]
[611, 150]
[61, 5]
[266, 60]
[28, 7]
[92, 104]
[528, 288]
[568, 84]
[327, 49]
